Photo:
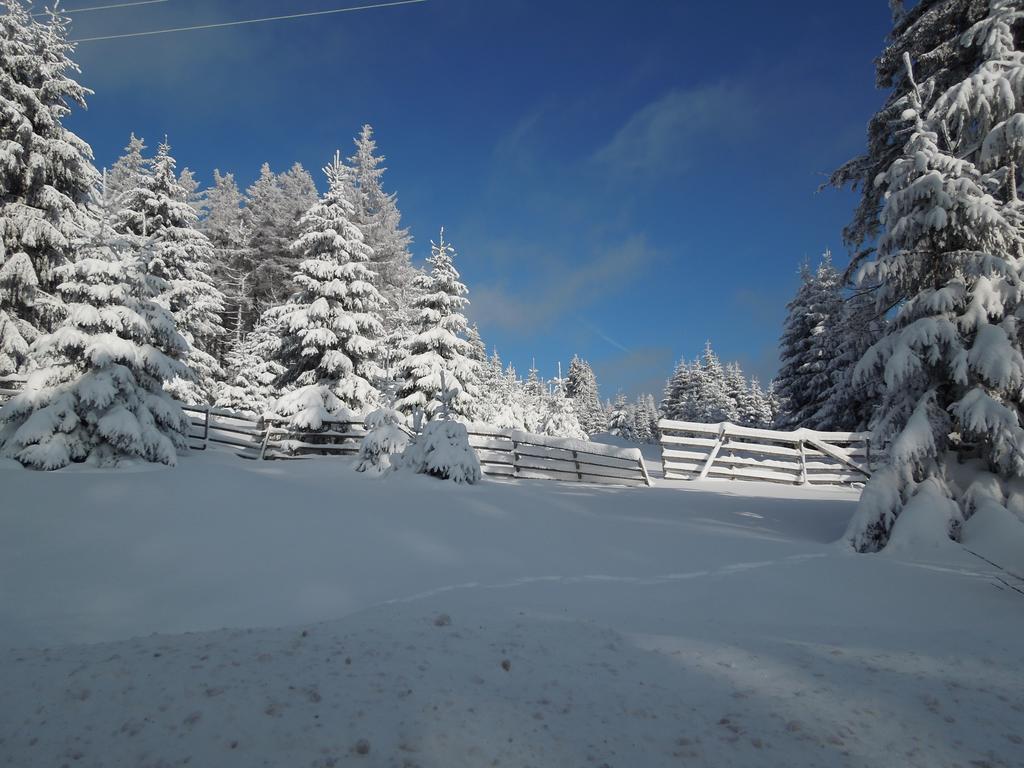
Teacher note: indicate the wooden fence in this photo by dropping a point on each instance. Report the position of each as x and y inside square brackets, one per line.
[690, 450]
[10, 386]
[280, 440]
[221, 427]
[509, 453]
[502, 453]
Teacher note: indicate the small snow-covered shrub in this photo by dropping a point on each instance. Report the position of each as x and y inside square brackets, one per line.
[384, 439]
[443, 450]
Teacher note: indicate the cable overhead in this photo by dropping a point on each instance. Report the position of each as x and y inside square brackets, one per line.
[65, 12]
[250, 21]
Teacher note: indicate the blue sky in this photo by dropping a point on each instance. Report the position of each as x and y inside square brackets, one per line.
[621, 180]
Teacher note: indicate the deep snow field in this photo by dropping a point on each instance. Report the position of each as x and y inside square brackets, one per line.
[236, 613]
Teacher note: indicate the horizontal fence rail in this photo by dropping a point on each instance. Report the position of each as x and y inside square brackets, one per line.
[10, 386]
[215, 425]
[510, 453]
[690, 451]
[338, 438]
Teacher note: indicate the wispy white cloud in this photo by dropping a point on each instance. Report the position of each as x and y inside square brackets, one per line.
[561, 289]
[668, 134]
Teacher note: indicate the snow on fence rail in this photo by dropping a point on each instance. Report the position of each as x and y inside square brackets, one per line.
[340, 438]
[509, 453]
[10, 386]
[215, 425]
[691, 450]
[502, 453]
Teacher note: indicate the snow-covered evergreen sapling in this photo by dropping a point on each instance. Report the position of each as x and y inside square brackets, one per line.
[385, 438]
[96, 393]
[442, 448]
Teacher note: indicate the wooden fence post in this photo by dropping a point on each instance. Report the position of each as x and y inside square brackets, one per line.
[714, 451]
[266, 439]
[576, 460]
[206, 430]
[803, 462]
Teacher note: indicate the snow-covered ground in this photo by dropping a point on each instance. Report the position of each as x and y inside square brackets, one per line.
[232, 613]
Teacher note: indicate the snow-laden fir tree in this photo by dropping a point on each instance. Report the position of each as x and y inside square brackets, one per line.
[948, 258]
[385, 439]
[642, 429]
[253, 370]
[331, 328]
[930, 31]
[378, 216]
[443, 450]
[46, 171]
[232, 266]
[581, 388]
[275, 205]
[127, 170]
[676, 403]
[824, 316]
[477, 349]
[620, 422]
[754, 407]
[179, 254]
[96, 392]
[808, 344]
[438, 345]
[710, 396]
[849, 402]
[14, 343]
[559, 417]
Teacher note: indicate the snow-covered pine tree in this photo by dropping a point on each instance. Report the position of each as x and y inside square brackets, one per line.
[180, 255]
[438, 343]
[275, 204]
[581, 388]
[378, 216]
[559, 418]
[331, 328]
[231, 269]
[46, 171]
[477, 349]
[620, 421]
[96, 392]
[711, 401]
[677, 401]
[930, 31]
[948, 258]
[802, 383]
[755, 409]
[385, 438]
[15, 334]
[641, 428]
[736, 388]
[848, 403]
[823, 317]
[253, 370]
[127, 170]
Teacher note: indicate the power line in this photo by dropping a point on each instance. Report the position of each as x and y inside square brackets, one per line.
[64, 12]
[250, 21]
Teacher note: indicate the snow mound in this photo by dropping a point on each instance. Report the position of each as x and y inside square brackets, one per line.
[923, 528]
[996, 534]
